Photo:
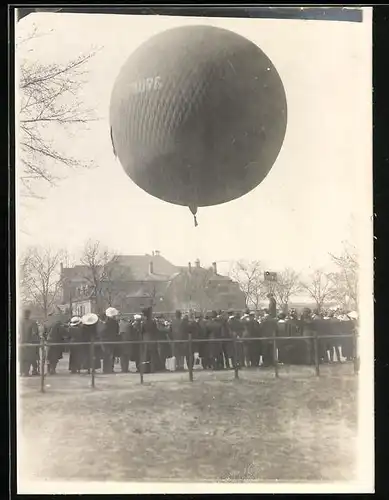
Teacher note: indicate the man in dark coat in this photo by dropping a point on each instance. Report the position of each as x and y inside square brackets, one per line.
[56, 335]
[268, 329]
[164, 348]
[28, 334]
[214, 328]
[236, 328]
[178, 334]
[272, 306]
[76, 352]
[110, 333]
[150, 356]
[253, 347]
[227, 345]
[125, 349]
[136, 335]
[203, 346]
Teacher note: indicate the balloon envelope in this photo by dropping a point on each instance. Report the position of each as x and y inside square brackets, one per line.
[198, 116]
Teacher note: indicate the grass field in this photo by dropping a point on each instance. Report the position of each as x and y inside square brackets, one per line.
[297, 428]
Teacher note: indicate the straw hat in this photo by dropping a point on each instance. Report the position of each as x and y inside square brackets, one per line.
[137, 317]
[90, 319]
[111, 312]
[76, 320]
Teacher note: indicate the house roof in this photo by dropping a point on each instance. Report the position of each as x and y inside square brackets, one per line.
[139, 265]
[212, 276]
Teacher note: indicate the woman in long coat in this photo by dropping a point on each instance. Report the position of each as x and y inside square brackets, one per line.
[76, 352]
[89, 334]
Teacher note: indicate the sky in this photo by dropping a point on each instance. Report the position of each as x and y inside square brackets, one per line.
[317, 195]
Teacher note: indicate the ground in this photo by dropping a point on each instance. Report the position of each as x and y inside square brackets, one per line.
[296, 428]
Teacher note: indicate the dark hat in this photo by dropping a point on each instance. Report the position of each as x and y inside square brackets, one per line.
[147, 311]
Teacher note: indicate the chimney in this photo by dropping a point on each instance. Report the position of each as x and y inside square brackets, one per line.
[61, 265]
[197, 262]
[151, 267]
[152, 253]
[214, 267]
[157, 253]
[189, 267]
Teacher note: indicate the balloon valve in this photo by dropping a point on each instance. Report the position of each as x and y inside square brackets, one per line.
[193, 209]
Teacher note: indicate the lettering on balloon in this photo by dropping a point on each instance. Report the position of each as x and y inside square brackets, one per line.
[148, 84]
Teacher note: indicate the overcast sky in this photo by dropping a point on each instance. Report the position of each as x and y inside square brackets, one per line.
[317, 194]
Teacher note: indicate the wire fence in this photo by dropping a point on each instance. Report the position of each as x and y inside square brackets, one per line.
[315, 338]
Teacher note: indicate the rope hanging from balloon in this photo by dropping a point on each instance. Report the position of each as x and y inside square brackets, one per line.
[193, 209]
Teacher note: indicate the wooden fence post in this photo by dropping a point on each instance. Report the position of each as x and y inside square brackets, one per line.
[141, 365]
[92, 362]
[275, 357]
[42, 362]
[316, 353]
[236, 361]
[190, 355]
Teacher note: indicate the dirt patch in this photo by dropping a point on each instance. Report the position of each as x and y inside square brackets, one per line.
[296, 428]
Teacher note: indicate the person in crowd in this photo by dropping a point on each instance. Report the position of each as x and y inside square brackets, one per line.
[136, 336]
[268, 330]
[272, 306]
[76, 352]
[227, 345]
[56, 335]
[202, 322]
[89, 333]
[254, 347]
[150, 333]
[164, 348]
[187, 327]
[178, 334]
[215, 347]
[110, 333]
[236, 329]
[125, 349]
[284, 347]
[29, 356]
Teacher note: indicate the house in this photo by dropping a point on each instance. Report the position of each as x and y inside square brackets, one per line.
[204, 289]
[133, 282]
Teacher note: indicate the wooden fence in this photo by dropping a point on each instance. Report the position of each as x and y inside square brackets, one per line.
[236, 341]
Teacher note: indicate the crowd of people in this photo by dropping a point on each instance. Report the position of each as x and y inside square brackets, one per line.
[219, 328]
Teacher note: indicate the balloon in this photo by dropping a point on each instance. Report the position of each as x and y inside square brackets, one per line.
[198, 116]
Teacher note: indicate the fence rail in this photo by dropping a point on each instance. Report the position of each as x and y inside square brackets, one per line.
[44, 344]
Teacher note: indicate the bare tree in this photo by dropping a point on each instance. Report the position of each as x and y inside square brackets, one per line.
[40, 277]
[106, 277]
[319, 286]
[345, 280]
[49, 98]
[287, 285]
[249, 276]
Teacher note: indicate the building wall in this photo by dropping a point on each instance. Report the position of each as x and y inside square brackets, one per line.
[187, 292]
